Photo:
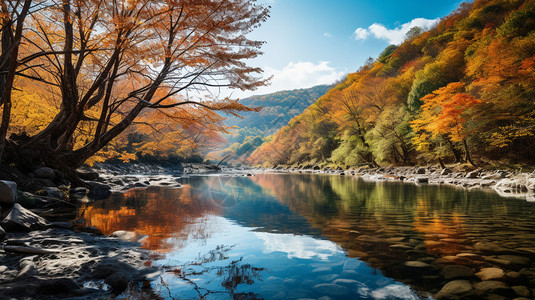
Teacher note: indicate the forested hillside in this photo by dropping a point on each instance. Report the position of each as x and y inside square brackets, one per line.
[277, 109]
[463, 91]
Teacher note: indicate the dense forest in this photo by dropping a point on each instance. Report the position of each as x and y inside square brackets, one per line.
[462, 92]
[248, 131]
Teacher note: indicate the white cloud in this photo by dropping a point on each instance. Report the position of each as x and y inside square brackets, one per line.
[303, 247]
[361, 34]
[327, 35]
[394, 36]
[297, 75]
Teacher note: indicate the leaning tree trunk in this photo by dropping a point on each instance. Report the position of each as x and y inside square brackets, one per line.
[468, 157]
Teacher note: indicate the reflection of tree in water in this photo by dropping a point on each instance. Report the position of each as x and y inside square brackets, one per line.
[232, 275]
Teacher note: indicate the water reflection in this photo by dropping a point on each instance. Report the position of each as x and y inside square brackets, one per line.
[299, 236]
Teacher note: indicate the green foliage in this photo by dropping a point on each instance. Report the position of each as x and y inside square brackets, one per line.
[386, 53]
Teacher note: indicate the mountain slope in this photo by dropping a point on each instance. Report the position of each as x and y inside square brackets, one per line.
[461, 92]
[277, 110]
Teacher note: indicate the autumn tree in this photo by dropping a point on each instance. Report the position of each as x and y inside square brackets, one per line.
[110, 61]
[444, 114]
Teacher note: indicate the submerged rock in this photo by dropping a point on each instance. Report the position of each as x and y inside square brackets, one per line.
[331, 289]
[454, 288]
[456, 271]
[490, 274]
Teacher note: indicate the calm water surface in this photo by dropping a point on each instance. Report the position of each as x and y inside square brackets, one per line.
[281, 236]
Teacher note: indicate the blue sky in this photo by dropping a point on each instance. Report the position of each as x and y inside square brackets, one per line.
[310, 42]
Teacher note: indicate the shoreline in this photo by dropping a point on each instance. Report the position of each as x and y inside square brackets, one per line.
[505, 183]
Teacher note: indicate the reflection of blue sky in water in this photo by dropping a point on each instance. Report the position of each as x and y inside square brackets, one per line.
[293, 266]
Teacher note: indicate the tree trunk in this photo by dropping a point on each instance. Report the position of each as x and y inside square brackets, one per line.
[467, 153]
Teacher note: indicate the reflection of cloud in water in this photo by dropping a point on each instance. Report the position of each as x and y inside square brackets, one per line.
[394, 291]
[303, 247]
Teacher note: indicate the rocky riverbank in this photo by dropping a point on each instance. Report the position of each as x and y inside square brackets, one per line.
[43, 255]
[506, 183]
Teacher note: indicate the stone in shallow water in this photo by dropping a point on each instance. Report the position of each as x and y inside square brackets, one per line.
[491, 248]
[521, 291]
[351, 264]
[492, 286]
[331, 289]
[417, 264]
[490, 274]
[515, 259]
[456, 271]
[455, 287]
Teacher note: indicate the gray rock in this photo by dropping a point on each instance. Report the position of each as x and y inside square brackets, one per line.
[490, 274]
[2, 233]
[453, 288]
[45, 173]
[19, 218]
[331, 289]
[456, 271]
[98, 190]
[8, 192]
[118, 282]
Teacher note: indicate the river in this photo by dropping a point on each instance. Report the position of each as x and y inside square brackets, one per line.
[305, 236]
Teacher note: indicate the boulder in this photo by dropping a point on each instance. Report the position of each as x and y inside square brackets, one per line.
[21, 219]
[8, 192]
[45, 173]
[118, 282]
[490, 274]
[98, 190]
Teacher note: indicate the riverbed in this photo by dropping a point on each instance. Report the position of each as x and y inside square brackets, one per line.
[308, 236]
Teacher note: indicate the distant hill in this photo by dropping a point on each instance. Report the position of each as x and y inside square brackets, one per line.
[277, 110]
[462, 92]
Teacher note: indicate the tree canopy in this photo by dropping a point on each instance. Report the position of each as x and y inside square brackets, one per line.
[88, 70]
